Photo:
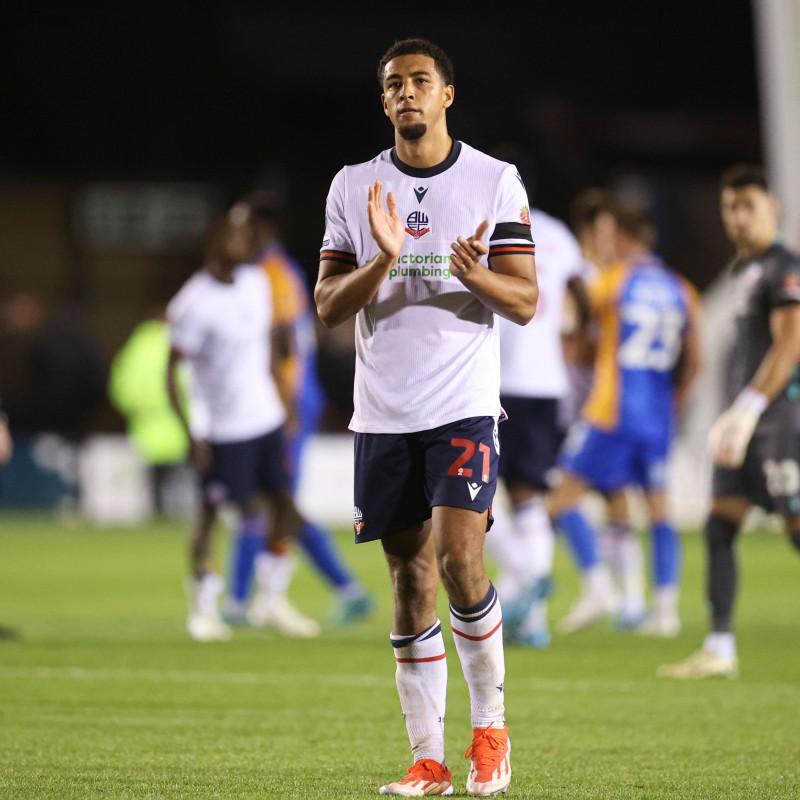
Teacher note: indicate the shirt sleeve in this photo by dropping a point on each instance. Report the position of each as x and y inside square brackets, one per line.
[512, 231]
[337, 244]
[784, 289]
[186, 331]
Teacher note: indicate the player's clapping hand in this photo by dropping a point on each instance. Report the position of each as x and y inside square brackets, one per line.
[467, 253]
[385, 224]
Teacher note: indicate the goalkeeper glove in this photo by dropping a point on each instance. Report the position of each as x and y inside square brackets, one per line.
[731, 433]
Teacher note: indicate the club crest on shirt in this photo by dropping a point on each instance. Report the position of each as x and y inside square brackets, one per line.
[791, 285]
[417, 224]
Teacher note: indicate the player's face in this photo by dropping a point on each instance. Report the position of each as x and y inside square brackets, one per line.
[414, 95]
[598, 239]
[750, 217]
[239, 242]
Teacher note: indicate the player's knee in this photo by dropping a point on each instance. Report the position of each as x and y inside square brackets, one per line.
[794, 538]
[720, 532]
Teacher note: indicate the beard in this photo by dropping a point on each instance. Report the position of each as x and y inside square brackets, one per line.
[412, 132]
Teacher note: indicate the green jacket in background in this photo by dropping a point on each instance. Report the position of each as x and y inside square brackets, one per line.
[138, 390]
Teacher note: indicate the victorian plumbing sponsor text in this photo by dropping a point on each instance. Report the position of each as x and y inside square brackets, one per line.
[421, 266]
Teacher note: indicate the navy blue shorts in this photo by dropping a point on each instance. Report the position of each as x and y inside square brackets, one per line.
[400, 477]
[529, 440]
[241, 470]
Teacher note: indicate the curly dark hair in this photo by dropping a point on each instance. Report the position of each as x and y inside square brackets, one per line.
[407, 47]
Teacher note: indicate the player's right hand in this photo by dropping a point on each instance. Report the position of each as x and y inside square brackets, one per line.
[386, 225]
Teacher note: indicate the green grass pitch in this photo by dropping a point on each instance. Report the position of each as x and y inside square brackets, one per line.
[103, 695]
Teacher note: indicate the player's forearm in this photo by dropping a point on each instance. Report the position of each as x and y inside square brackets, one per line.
[341, 296]
[775, 370]
[176, 399]
[510, 296]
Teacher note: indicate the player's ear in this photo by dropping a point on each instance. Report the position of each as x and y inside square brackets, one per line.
[449, 95]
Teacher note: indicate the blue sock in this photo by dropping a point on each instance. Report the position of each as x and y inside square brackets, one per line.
[321, 550]
[580, 536]
[666, 554]
[249, 541]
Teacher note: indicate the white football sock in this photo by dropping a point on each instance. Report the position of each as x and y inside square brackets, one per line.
[665, 601]
[478, 634]
[722, 645]
[206, 594]
[274, 573]
[533, 524]
[421, 678]
[623, 552]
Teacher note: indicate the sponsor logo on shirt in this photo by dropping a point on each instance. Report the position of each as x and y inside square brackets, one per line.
[474, 488]
[417, 224]
[525, 215]
[791, 285]
[421, 265]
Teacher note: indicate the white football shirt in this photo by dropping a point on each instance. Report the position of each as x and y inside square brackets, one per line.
[427, 350]
[223, 330]
[531, 357]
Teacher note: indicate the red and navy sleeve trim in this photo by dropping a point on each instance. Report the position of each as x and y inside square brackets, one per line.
[340, 256]
[512, 250]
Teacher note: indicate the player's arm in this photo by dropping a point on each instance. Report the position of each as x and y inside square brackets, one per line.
[6, 443]
[509, 288]
[342, 290]
[688, 366]
[283, 348]
[732, 431]
[576, 318]
[199, 450]
[783, 356]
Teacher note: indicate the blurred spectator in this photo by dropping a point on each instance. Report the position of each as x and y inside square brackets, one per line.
[51, 367]
[137, 389]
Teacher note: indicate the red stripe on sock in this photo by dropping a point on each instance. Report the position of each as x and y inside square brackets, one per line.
[478, 638]
[420, 660]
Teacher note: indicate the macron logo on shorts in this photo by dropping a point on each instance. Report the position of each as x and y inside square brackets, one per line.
[474, 488]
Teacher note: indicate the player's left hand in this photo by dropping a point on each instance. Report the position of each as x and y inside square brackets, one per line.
[730, 435]
[467, 253]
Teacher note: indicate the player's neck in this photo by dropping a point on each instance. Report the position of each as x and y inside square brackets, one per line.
[753, 249]
[427, 151]
[220, 272]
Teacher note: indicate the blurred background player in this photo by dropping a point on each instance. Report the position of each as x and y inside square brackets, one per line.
[755, 443]
[137, 390]
[533, 383]
[647, 357]
[221, 323]
[295, 354]
[620, 545]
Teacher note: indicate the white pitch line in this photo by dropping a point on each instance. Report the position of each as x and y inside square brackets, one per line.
[543, 685]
